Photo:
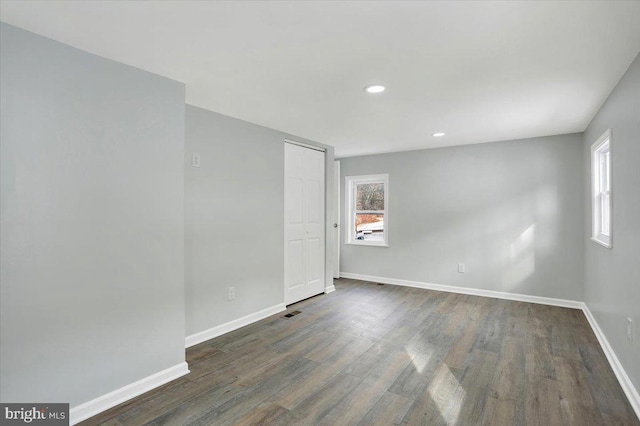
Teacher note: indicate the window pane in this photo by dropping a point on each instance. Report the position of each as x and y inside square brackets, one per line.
[607, 162]
[605, 215]
[604, 171]
[369, 227]
[370, 196]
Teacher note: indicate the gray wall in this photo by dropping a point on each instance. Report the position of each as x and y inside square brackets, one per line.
[612, 277]
[511, 211]
[234, 218]
[92, 243]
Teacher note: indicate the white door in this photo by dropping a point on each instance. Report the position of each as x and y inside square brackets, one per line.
[336, 219]
[303, 222]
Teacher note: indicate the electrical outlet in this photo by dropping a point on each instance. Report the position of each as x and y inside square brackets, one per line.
[231, 294]
[630, 329]
[461, 268]
[195, 160]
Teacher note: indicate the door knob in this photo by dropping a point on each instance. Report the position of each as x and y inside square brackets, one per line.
[335, 225]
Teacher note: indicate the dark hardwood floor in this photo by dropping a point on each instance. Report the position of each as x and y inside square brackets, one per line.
[370, 354]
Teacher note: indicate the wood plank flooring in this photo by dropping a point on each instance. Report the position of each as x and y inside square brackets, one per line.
[369, 354]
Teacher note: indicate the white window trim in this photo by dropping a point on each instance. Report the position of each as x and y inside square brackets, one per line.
[349, 183]
[596, 235]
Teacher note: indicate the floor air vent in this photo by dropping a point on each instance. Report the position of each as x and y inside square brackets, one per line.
[292, 314]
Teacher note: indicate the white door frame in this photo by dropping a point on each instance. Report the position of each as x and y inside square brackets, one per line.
[336, 219]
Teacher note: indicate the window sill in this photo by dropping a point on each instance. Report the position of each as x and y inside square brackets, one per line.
[602, 243]
[366, 244]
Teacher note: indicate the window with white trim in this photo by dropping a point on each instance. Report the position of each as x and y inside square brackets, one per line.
[601, 190]
[367, 201]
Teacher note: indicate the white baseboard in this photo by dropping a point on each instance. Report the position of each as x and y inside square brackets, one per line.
[616, 366]
[466, 290]
[221, 329]
[125, 393]
[330, 289]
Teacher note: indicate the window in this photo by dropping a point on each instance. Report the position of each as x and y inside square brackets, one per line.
[601, 189]
[367, 201]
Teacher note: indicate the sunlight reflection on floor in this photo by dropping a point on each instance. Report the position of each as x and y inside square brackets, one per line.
[447, 393]
[420, 355]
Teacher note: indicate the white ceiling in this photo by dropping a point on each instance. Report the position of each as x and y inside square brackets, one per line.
[479, 71]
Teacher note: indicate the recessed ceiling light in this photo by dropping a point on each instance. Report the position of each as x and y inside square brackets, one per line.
[437, 135]
[374, 88]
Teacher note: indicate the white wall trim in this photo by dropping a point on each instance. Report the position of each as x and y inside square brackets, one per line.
[329, 289]
[125, 393]
[625, 382]
[466, 290]
[221, 329]
[305, 145]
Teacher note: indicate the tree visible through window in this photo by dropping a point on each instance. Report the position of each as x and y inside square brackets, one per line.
[367, 205]
[370, 211]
